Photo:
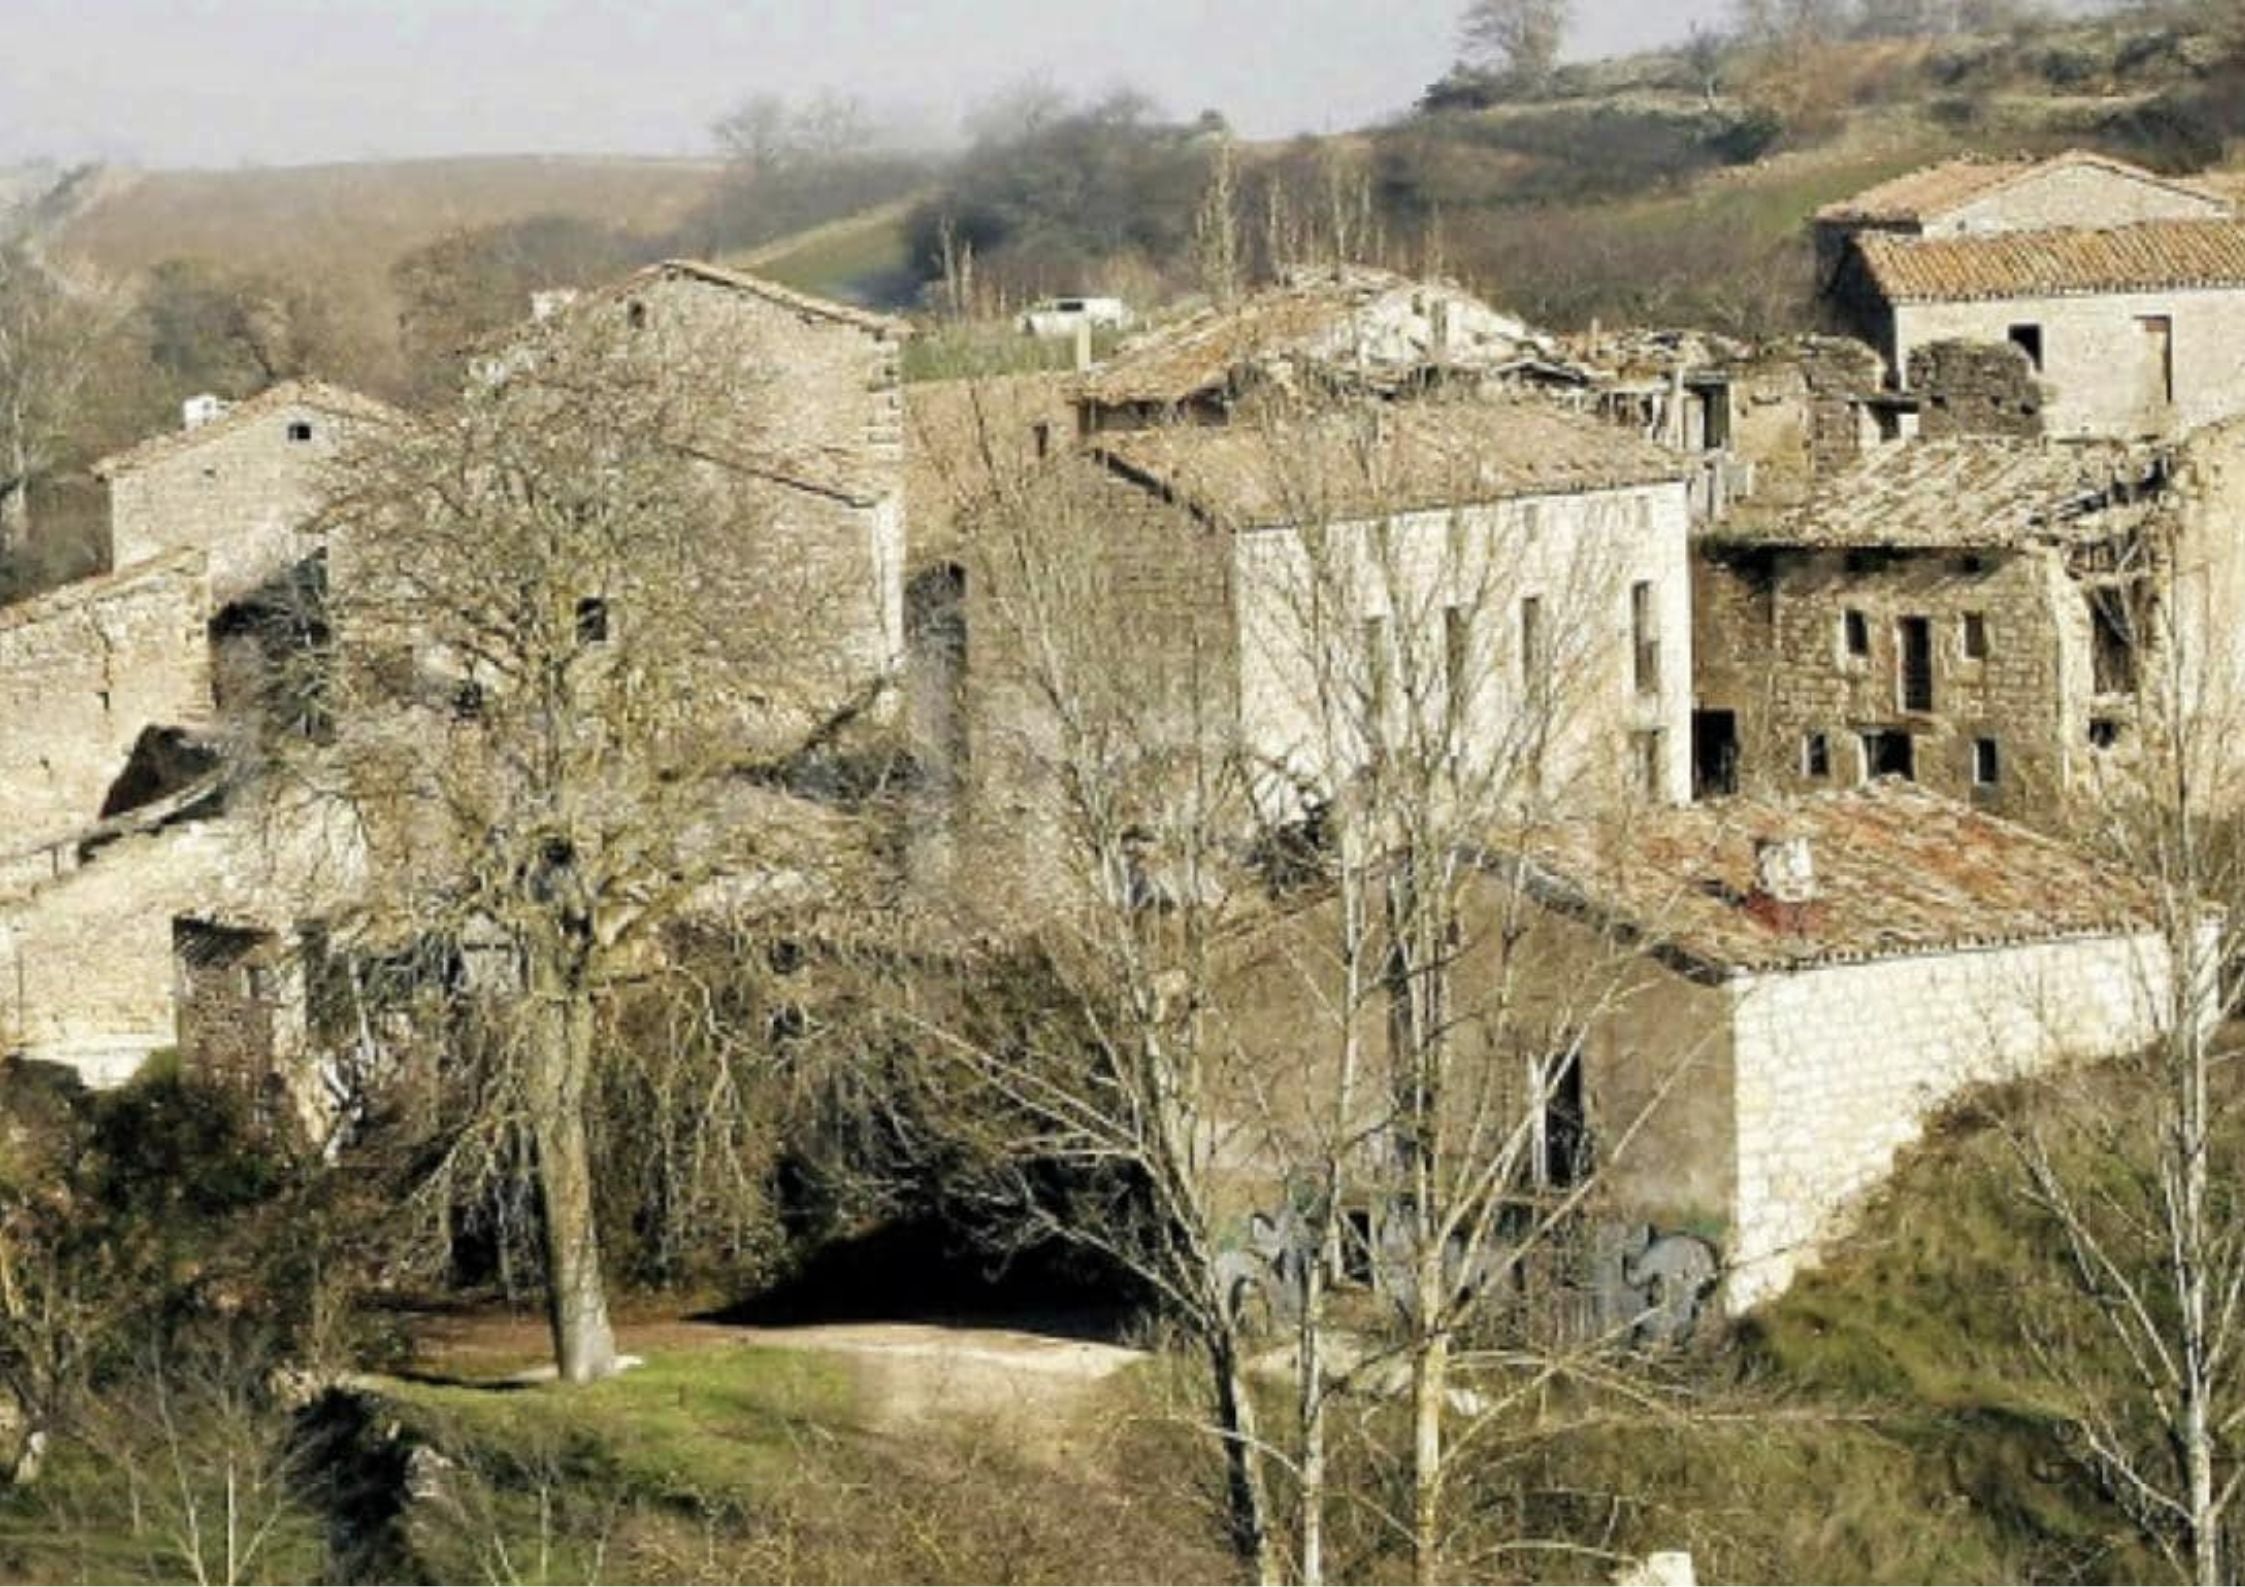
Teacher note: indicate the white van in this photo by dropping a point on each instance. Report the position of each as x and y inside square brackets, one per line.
[1058, 317]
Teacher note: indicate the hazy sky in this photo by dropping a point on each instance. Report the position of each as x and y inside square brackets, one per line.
[220, 82]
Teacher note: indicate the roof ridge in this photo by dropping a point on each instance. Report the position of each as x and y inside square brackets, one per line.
[309, 390]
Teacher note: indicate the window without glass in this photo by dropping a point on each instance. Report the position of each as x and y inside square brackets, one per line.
[1855, 633]
[1535, 664]
[592, 621]
[1457, 662]
[1561, 1150]
[1914, 644]
[2112, 642]
[1816, 756]
[1377, 683]
[1650, 746]
[299, 430]
[1987, 763]
[1644, 628]
[1976, 636]
[2028, 339]
[1888, 753]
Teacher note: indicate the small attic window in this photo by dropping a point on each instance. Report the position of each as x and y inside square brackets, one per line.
[592, 621]
[299, 429]
[635, 315]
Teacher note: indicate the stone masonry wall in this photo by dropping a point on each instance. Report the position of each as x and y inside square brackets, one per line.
[241, 494]
[83, 670]
[2099, 364]
[1775, 654]
[1975, 388]
[1837, 1069]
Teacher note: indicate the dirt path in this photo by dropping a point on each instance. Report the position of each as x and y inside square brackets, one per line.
[906, 1372]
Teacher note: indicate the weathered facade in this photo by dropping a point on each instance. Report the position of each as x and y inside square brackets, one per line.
[1832, 970]
[2125, 291]
[1965, 613]
[85, 672]
[239, 483]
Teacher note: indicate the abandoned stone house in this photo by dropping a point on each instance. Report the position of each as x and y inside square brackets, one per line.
[1724, 1019]
[1504, 574]
[1830, 970]
[1965, 613]
[1315, 335]
[238, 482]
[2124, 291]
[798, 402]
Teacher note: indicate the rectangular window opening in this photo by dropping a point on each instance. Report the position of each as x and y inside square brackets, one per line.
[1889, 753]
[1816, 757]
[2028, 339]
[1987, 763]
[2112, 642]
[1562, 1146]
[1644, 628]
[1534, 663]
[1650, 753]
[299, 430]
[1975, 636]
[1457, 663]
[1914, 642]
[592, 621]
[1377, 681]
[1855, 634]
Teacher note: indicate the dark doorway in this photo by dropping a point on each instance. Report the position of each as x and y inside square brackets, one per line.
[1565, 1158]
[1714, 754]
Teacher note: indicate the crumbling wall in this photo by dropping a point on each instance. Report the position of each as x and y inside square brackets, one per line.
[1796, 413]
[83, 670]
[1771, 641]
[1975, 388]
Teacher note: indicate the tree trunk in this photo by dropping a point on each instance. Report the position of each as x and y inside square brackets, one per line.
[560, 1073]
[1245, 1498]
[1430, 1372]
[1311, 1338]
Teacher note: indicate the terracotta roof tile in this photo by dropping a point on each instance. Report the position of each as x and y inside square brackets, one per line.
[1318, 316]
[1967, 493]
[2152, 256]
[1899, 872]
[1387, 457]
[1929, 191]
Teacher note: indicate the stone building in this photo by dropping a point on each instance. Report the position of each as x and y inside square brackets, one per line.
[2125, 291]
[238, 482]
[1317, 334]
[1823, 973]
[1966, 613]
[87, 672]
[797, 402]
[1503, 577]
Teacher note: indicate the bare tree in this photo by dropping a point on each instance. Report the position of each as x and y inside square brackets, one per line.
[1519, 37]
[581, 640]
[50, 344]
[2139, 1169]
[1327, 757]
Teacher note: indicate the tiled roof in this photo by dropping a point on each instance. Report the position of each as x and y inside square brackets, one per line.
[770, 291]
[316, 395]
[1324, 316]
[1931, 190]
[1899, 872]
[1967, 493]
[1386, 457]
[1924, 195]
[2151, 256]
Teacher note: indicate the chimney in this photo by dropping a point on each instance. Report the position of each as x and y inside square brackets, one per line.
[1784, 896]
[198, 411]
[1083, 344]
[1785, 869]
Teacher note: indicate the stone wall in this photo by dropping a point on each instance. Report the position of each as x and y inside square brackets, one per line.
[83, 671]
[242, 491]
[1471, 571]
[1975, 388]
[1837, 1069]
[1770, 632]
[2066, 194]
[2102, 369]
